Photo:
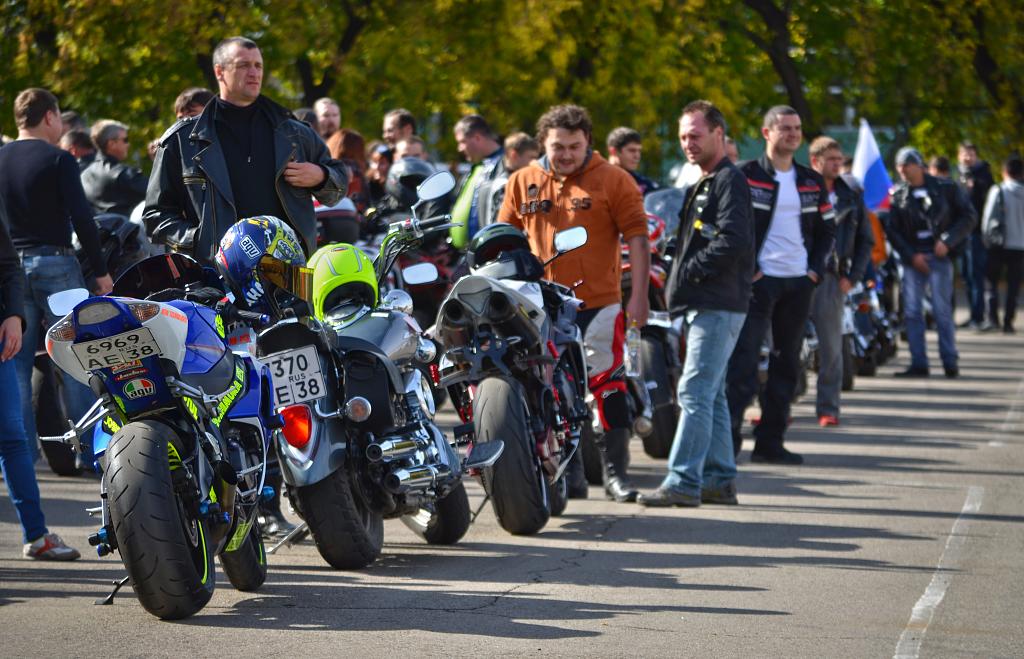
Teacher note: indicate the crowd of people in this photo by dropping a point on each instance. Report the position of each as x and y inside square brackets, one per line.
[762, 245]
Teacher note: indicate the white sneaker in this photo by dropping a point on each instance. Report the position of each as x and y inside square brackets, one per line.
[50, 547]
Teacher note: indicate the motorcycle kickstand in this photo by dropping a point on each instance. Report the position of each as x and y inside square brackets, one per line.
[472, 518]
[296, 535]
[109, 599]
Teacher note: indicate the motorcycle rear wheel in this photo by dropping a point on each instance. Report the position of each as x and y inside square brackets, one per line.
[246, 567]
[348, 533]
[591, 455]
[51, 420]
[163, 545]
[515, 483]
[447, 523]
[848, 366]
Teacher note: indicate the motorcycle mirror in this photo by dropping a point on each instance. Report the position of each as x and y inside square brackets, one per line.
[398, 300]
[435, 186]
[61, 304]
[421, 273]
[570, 239]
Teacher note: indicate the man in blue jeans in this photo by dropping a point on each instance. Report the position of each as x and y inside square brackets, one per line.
[41, 191]
[710, 288]
[15, 459]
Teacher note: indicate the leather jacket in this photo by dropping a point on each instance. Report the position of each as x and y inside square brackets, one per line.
[854, 237]
[945, 210]
[112, 186]
[189, 204]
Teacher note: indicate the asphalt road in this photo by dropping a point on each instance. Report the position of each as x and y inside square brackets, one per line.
[901, 535]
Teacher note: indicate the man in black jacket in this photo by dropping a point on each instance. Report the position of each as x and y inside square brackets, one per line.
[710, 288]
[928, 219]
[110, 185]
[845, 267]
[794, 226]
[975, 177]
[243, 156]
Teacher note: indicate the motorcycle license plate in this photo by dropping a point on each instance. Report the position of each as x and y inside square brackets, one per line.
[116, 350]
[296, 375]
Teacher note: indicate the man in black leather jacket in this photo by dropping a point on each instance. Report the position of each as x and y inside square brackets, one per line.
[929, 218]
[244, 155]
[110, 185]
[846, 266]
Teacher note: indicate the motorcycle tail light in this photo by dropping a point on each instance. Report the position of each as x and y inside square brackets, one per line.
[864, 307]
[63, 330]
[298, 425]
[97, 313]
[143, 311]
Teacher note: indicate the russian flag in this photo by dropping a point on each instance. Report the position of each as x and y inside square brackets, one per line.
[870, 169]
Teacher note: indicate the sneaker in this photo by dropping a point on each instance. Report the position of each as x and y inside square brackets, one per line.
[664, 497]
[779, 457]
[826, 420]
[50, 547]
[969, 324]
[913, 372]
[724, 494]
[988, 326]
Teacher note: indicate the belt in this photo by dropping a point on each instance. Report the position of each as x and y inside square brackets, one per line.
[46, 250]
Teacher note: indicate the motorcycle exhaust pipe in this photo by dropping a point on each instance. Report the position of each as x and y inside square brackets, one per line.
[453, 327]
[505, 318]
[391, 449]
[401, 481]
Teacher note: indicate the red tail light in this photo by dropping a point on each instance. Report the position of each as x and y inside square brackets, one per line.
[864, 307]
[298, 425]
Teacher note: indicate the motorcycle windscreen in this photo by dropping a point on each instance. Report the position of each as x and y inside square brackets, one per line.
[159, 273]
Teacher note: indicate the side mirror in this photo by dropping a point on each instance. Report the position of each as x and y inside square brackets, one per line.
[570, 239]
[398, 300]
[421, 273]
[435, 186]
[61, 304]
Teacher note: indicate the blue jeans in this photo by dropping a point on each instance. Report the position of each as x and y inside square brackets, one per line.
[974, 265]
[940, 280]
[44, 276]
[15, 458]
[702, 452]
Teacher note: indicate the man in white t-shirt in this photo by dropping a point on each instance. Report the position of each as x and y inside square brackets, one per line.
[794, 228]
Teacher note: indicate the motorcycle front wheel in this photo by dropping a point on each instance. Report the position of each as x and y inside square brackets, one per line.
[446, 523]
[161, 538]
[246, 566]
[347, 532]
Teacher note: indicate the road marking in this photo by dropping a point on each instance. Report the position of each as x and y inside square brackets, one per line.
[1013, 415]
[913, 634]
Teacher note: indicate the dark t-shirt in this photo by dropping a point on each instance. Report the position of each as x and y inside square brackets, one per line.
[43, 197]
[246, 137]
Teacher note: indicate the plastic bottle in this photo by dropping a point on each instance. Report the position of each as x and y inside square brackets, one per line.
[632, 356]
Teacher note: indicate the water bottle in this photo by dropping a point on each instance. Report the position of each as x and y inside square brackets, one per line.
[632, 356]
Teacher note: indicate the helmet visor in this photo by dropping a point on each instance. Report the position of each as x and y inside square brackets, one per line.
[293, 279]
[158, 273]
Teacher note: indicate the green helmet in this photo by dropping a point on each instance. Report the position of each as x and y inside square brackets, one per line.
[342, 274]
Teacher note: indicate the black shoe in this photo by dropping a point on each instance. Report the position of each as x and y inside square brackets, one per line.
[724, 494]
[620, 491]
[913, 372]
[614, 447]
[779, 457]
[666, 498]
[951, 371]
[1008, 329]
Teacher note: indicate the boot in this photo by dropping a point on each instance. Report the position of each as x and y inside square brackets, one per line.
[575, 479]
[614, 448]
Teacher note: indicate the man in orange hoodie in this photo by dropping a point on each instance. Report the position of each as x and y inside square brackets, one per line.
[572, 185]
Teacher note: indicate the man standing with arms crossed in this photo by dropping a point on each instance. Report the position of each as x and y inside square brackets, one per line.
[572, 185]
[794, 225]
[710, 287]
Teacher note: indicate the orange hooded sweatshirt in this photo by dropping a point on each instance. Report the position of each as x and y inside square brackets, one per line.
[601, 197]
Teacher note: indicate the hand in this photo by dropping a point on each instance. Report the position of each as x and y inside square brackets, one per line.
[10, 337]
[845, 285]
[303, 174]
[104, 285]
[757, 275]
[637, 310]
[920, 263]
[941, 250]
[813, 276]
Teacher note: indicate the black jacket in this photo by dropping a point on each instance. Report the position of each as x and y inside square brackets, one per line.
[854, 237]
[112, 186]
[946, 211]
[715, 259]
[189, 204]
[12, 275]
[817, 217]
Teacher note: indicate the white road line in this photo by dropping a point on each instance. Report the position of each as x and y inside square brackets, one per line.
[910, 640]
[1013, 415]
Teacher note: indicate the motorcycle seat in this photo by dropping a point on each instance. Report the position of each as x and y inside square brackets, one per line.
[217, 379]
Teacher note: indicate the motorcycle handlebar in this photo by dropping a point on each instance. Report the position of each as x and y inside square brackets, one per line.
[434, 222]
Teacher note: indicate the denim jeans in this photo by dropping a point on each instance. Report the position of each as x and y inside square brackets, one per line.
[44, 276]
[702, 453]
[940, 280]
[15, 458]
[974, 265]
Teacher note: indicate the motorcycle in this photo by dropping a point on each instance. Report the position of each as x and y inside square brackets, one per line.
[514, 367]
[874, 337]
[184, 427]
[359, 444]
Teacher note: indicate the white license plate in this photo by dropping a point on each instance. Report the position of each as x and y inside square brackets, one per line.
[116, 350]
[296, 375]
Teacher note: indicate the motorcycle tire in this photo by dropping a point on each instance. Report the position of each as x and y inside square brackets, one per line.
[868, 366]
[848, 365]
[558, 496]
[348, 533]
[591, 455]
[515, 483]
[51, 420]
[246, 567]
[447, 523]
[665, 415]
[163, 545]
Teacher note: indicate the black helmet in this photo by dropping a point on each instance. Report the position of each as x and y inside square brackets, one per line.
[403, 178]
[494, 240]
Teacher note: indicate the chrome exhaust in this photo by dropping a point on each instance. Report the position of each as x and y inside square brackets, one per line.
[401, 481]
[391, 449]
